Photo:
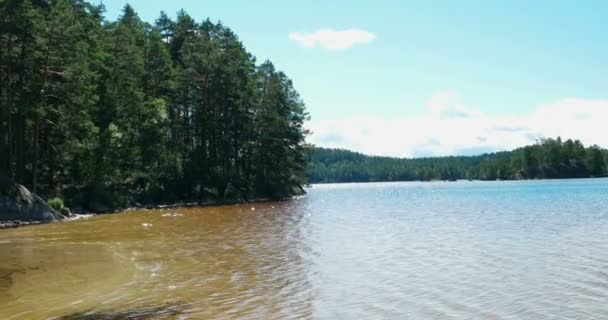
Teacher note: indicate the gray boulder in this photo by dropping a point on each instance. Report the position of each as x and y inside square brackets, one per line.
[18, 203]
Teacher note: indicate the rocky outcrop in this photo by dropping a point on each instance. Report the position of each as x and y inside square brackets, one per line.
[17, 203]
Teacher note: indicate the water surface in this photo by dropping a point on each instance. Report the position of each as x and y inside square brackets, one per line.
[464, 250]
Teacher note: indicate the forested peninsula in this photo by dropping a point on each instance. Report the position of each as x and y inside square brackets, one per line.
[106, 114]
[547, 159]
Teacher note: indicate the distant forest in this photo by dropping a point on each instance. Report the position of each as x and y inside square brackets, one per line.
[110, 113]
[547, 159]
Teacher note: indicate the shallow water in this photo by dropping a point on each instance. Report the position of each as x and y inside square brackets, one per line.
[464, 250]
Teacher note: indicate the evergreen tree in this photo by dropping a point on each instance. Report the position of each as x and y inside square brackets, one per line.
[65, 128]
[595, 162]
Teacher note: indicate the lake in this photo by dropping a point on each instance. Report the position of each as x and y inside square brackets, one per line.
[417, 250]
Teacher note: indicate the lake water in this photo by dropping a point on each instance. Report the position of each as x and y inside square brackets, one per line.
[435, 250]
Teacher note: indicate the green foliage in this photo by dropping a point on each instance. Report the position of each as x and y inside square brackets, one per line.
[548, 159]
[56, 203]
[107, 113]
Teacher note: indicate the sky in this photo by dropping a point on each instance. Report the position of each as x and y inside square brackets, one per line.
[427, 78]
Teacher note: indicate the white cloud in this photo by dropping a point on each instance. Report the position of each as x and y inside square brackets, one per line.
[450, 128]
[333, 39]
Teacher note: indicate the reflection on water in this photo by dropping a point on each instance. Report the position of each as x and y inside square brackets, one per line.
[466, 250]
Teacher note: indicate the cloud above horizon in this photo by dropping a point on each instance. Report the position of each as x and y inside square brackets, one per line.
[334, 40]
[451, 128]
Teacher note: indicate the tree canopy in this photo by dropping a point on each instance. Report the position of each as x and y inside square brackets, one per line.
[116, 112]
[547, 159]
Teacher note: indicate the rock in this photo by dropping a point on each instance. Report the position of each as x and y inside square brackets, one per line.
[18, 203]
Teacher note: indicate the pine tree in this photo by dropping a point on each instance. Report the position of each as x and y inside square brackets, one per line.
[104, 113]
[68, 98]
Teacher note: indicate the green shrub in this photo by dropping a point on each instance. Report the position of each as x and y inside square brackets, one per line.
[56, 203]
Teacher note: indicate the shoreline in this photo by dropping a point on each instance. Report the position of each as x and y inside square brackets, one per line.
[11, 224]
[462, 180]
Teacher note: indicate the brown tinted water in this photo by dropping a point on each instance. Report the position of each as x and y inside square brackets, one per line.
[466, 250]
[220, 262]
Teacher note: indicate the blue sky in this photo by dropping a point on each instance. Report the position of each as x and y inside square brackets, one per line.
[428, 77]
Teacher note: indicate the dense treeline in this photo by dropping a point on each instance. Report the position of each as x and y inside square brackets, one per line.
[106, 113]
[547, 159]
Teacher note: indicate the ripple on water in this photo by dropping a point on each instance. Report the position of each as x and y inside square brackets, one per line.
[470, 250]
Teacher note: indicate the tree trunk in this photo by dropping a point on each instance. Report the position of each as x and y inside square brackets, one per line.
[36, 155]
[20, 123]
